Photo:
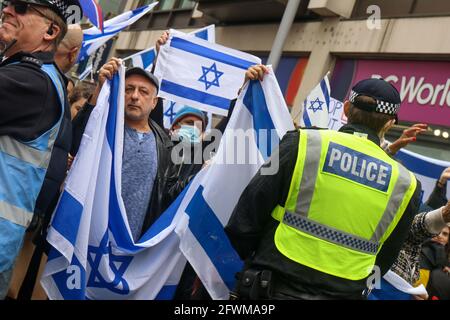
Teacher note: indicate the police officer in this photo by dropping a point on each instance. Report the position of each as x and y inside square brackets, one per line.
[34, 118]
[337, 207]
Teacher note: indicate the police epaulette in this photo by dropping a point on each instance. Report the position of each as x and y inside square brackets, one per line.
[32, 60]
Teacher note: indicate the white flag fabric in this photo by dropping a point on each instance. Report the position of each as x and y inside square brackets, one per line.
[144, 59]
[93, 38]
[316, 106]
[200, 74]
[93, 255]
[262, 116]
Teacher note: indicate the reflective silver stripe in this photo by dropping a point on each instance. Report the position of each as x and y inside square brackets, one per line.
[329, 234]
[14, 214]
[23, 152]
[401, 186]
[310, 171]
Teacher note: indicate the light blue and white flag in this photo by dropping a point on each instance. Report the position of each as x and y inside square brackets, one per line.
[94, 38]
[316, 106]
[426, 169]
[145, 58]
[206, 76]
[260, 119]
[93, 255]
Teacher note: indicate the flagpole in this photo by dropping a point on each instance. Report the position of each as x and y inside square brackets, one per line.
[286, 22]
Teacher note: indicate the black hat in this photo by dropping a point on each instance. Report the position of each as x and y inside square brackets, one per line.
[385, 94]
[144, 73]
[61, 7]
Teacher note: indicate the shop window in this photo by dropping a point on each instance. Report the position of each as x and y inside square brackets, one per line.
[166, 4]
[187, 4]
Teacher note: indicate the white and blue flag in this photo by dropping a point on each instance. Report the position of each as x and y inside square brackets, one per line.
[200, 74]
[93, 255]
[261, 115]
[144, 59]
[316, 106]
[94, 38]
[427, 170]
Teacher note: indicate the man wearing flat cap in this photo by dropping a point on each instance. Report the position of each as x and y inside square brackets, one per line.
[146, 163]
[338, 207]
[34, 119]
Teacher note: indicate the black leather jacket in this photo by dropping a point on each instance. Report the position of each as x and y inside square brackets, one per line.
[161, 197]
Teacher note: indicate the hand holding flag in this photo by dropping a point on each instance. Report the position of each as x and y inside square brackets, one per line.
[316, 106]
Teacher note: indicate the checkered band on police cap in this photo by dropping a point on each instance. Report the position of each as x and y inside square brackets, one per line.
[382, 106]
[60, 6]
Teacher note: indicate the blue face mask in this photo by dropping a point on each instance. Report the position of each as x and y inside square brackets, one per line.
[189, 133]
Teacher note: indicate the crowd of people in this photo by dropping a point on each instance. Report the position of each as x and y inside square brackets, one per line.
[339, 205]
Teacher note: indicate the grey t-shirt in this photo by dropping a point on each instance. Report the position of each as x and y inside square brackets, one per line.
[139, 169]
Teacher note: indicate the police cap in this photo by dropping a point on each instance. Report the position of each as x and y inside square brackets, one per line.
[61, 7]
[387, 99]
[145, 74]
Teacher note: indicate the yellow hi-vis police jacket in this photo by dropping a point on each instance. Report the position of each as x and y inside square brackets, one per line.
[346, 197]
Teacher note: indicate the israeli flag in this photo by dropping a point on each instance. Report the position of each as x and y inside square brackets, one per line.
[200, 74]
[427, 170]
[94, 38]
[93, 255]
[93, 11]
[316, 106]
[145, 59]
[260, 120]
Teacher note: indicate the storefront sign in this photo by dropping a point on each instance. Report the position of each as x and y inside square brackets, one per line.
[424, 86]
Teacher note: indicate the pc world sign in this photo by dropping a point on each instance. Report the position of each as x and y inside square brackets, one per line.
[424, 86]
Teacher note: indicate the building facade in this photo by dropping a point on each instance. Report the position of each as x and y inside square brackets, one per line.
[403, 41]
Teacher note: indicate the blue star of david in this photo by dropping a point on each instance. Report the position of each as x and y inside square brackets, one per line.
[316, 105]
[204, 77]
[117, 264]
[170, 113]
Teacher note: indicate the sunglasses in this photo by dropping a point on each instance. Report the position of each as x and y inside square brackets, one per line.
[21, 7]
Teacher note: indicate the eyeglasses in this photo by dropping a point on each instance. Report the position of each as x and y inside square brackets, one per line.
[21, 7]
